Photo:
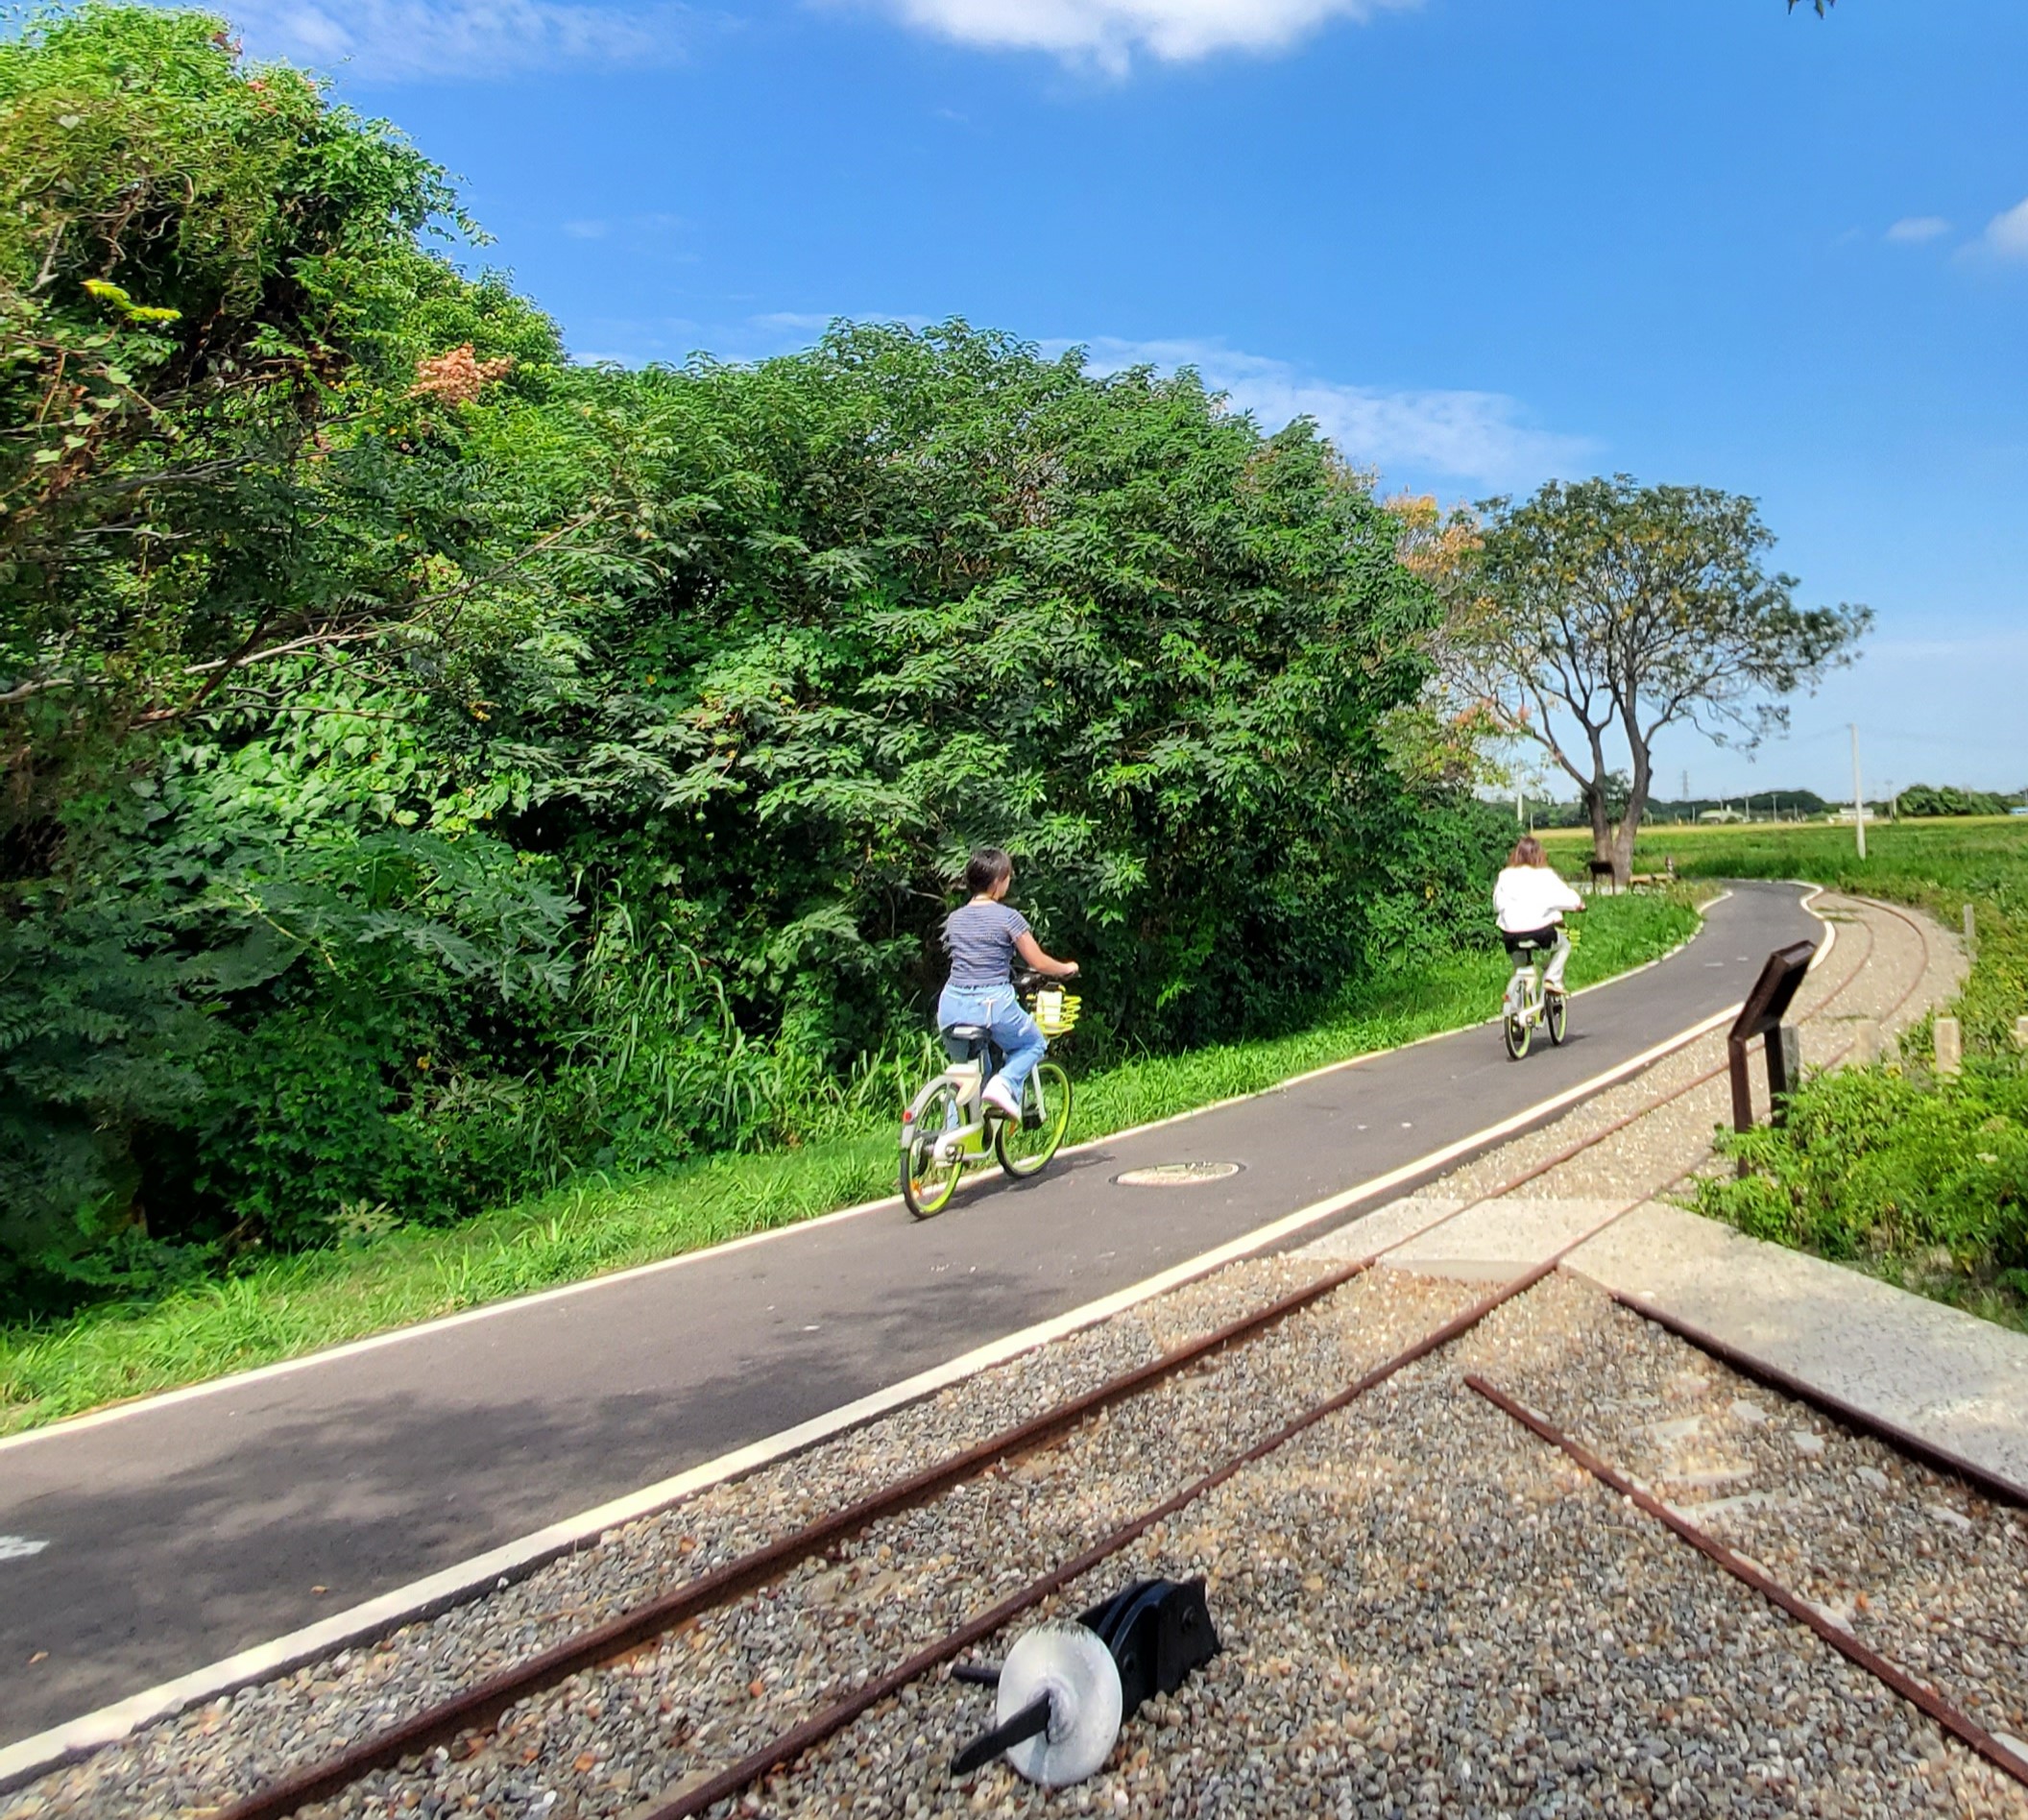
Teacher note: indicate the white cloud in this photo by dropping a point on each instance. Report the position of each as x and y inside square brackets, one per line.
[1914, 229]
[2007, 234]
[1112, 32]
[1473, 436]
[455, 40]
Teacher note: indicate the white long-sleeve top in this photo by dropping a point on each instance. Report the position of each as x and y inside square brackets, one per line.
[1532, 897]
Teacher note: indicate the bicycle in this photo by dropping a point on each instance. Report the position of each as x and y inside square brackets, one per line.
[1528, 1006]
[948, 1124]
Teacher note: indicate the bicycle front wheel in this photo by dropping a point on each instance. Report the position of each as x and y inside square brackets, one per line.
[928, 1183]
[1559, 1017]
[1045, 1116]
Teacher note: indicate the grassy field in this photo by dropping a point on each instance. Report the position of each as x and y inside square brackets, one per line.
[1921, 1181]
[283, 1307]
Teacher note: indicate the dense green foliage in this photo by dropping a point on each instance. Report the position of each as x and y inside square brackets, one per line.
[1923, 1180]
[1932, 799]
[435, 769]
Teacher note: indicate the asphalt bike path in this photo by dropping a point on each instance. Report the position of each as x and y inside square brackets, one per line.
[141, 1547]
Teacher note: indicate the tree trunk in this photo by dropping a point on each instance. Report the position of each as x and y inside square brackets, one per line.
[1621, 853]
[1602, 843]
[1636, 807]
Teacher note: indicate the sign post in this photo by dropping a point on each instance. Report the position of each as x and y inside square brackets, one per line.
[1766, 1005]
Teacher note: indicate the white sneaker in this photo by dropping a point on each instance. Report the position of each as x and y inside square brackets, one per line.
[997, 1096]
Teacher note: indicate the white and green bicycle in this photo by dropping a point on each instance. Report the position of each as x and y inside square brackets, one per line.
[1529, 1005]
[950, 1127]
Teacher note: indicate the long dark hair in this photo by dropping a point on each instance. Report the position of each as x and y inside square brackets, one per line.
[1528, 851]
[985, 869]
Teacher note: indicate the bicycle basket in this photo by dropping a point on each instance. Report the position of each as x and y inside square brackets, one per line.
[1055, 1012]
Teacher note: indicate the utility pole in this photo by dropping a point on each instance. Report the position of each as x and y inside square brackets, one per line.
[1858, 793]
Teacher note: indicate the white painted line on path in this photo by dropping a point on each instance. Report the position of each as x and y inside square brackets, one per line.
[19, 1547]
[422, 1598]
[444, 1323]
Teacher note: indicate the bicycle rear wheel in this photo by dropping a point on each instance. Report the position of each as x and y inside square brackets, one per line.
[1045, 1114]
[927, 1184]
[1514, 1026]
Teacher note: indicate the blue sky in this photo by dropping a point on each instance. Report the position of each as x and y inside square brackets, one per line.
[1483, 241]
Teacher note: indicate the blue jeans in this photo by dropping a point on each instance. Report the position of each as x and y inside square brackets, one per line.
[997, 1010]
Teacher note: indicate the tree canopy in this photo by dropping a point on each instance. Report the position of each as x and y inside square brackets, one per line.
[1947, 799]
[1601, 612]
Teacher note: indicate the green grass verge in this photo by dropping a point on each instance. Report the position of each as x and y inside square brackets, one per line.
[1938, 866]
[1918, 1180]
[284, 1306]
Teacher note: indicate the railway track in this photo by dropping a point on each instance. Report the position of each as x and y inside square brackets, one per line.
[481, 1706]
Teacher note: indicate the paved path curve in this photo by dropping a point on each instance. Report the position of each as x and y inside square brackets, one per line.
[184, 1530]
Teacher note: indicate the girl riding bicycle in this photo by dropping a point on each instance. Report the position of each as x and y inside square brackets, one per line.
[983, 938]
[1528, 900]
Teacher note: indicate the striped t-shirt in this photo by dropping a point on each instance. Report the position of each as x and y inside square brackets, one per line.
[981, 938]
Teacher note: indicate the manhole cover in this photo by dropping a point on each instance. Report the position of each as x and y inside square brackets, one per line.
[1176, 1175]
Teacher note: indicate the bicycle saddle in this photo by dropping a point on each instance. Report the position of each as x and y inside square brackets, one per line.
[964, 1042]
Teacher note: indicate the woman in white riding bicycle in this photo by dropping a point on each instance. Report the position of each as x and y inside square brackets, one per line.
[983, 938]
[1530, 901]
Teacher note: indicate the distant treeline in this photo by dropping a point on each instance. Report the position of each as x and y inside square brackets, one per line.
[1930, 799]
[1917, 800]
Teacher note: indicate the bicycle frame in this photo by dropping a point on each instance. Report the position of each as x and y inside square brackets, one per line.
[1525, 998]
[969, 1139]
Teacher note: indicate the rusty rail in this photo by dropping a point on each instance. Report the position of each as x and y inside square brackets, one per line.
[1953, 1719]
[481, 1705]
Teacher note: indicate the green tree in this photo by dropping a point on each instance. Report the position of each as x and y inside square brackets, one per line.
[920, 589]
[1609, 610]
[231, 466]
[1930, 799]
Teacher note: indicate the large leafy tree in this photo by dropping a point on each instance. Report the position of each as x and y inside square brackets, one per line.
[921, 590]
[232, 391]
[214, 434]
[1606, 612]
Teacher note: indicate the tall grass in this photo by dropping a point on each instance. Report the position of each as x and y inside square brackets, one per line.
[284, 1306]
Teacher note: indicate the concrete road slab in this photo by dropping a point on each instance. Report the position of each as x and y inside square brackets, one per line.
[1492, 1242]
[1959, 1382]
